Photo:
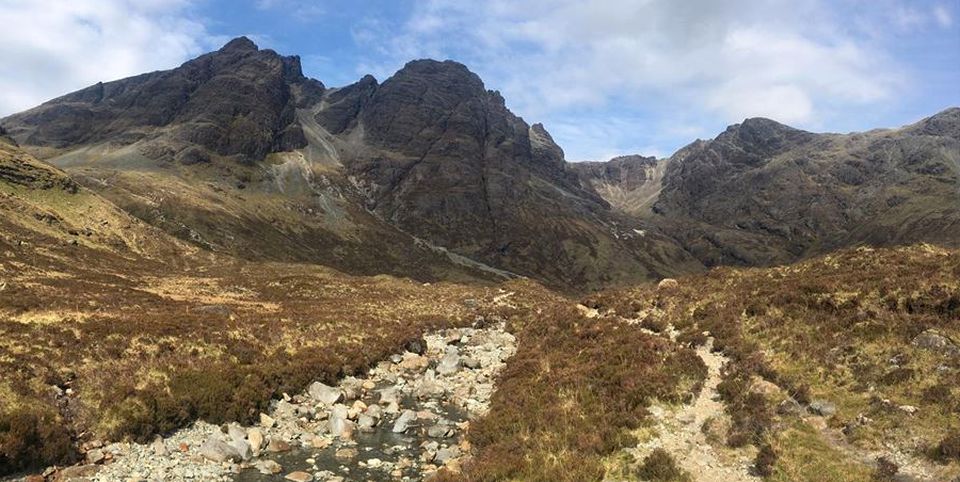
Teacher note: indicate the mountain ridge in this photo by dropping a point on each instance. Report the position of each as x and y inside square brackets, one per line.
[257, 160]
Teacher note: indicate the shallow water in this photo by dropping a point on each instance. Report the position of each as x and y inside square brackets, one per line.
[381, 444]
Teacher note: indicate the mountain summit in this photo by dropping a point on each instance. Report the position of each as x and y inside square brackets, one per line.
[260, 161]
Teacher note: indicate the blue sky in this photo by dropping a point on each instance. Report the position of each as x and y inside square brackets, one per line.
[606, 77]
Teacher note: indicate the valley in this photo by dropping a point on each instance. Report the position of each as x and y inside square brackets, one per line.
[230, 271]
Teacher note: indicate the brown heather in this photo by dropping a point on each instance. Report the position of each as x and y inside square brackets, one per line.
[837, 327]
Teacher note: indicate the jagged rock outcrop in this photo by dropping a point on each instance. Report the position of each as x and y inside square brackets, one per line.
[429, 174]
[237, 102]
[346, 177]
[453, 165]
[762, 192]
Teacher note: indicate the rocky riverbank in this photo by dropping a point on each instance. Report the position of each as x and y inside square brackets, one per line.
[405, 420]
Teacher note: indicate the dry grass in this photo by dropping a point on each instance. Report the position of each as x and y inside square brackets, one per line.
[574, 392]
[837, 327]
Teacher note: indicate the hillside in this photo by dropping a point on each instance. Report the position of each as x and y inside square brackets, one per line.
[763, 193]
[253, 159]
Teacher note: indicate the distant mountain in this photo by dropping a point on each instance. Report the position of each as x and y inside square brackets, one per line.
[237, 151]
[629, 183]
[762, 192]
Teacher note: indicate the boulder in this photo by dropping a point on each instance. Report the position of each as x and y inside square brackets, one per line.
[277, 445]
[267, 421]
[822, 408]
[389, 395]
[219, 451]
[325, 394]
[449, 364]
[933, 340]
[268, 467]
[447, 454]
[243, 449]
[366, 423]
[255, 437]
[339, 423]
[404, 420]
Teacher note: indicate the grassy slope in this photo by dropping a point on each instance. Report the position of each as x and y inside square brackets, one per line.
[838, 327]
[151, 333]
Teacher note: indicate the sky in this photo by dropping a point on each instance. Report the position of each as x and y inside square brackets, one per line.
[606, 77]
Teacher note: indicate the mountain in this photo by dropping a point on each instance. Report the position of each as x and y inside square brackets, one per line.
[765, 193]
[629, 183]
[426, 175]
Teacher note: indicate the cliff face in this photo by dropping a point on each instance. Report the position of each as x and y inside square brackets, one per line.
[238, 102]
[429, 153]
[762, 192]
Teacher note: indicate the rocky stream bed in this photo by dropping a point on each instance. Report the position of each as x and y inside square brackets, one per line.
[405, 420]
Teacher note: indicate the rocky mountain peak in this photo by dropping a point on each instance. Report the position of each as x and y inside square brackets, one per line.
[240, 44]
[944, 123]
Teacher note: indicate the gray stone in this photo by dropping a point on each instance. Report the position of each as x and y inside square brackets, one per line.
[268, 467]
[822, 408]
[447, 454]
[243, 449]
[933, 340]
[366, 423]
[325, 394]
[470, 362]
[95, 456]
[439, 431]
[236, 432]
[449, 364]
[339, 423]
[389, 395]
[404, 420]
[219, 451]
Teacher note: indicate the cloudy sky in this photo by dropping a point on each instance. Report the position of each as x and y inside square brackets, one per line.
[606, 77]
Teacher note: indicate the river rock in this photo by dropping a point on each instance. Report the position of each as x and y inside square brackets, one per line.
[219, 451]
[366, 423]
[267, 421]
[404, 420]
[255, 437]
[389, 395]
[95, 456]
[325, 394]
[268, 467]
[339, 423]
[236, 432]
[439, 431]
[243, 449]
[299, 476]
[447, 454]
[277, 445]
[449, 364]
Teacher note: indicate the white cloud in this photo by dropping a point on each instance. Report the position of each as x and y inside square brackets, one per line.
[797, 61]
[943, 16]
[56, 46]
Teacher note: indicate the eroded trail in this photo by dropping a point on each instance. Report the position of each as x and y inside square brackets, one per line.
[679, 431]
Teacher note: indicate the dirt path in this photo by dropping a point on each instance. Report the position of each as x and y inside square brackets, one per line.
[679, 432]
